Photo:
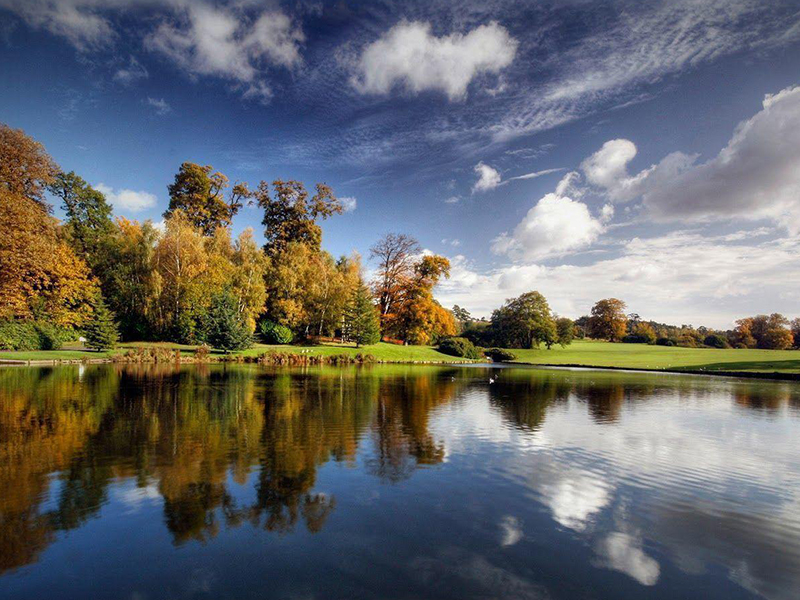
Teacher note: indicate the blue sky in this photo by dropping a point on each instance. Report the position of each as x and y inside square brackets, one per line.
[646, 150]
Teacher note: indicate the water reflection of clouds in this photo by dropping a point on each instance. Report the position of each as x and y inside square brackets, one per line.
[692, 451]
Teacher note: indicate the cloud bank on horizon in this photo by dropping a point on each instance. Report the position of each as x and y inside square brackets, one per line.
[549, 135]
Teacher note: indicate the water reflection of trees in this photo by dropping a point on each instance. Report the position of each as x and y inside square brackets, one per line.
[186, 431]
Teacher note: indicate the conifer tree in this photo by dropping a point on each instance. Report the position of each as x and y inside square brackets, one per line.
[226, 328]
[361, 321]
[101, 330]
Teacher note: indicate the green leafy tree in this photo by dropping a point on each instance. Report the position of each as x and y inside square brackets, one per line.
[525, 322]
[101, 331]
[361, 320]
[291, 216]
[225, 328]
[200, 194]
[89, 226]
[565, 331]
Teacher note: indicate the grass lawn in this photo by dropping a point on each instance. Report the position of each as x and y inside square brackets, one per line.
[642, 356]
[581, 352]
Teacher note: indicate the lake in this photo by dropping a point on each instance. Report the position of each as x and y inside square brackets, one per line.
[210, 481]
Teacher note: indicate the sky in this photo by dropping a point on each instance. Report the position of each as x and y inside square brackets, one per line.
[648, 151]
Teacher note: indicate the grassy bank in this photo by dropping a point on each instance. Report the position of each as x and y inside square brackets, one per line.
[381, 352]
[580, 353]
[642, 356]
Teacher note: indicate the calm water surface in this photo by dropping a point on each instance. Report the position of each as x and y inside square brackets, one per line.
[145, 482]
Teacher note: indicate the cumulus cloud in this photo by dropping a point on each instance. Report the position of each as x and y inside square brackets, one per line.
[124, 199]
[349, 203]
[212, 40]
[411, 56]
[160, 105]
[488, 178]
[682, 277]
[554, 226]
[755, 176]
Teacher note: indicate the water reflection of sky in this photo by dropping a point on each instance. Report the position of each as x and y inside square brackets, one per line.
[397, 483]
[685, 478]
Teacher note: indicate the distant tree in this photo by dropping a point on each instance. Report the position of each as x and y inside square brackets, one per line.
[291, 216]
[715, 340]
[645, 331]
[25, 167]
[524, 322]
[462, 315]
[565, 330]
[396, 255]
[417, 317]
[795, 327]
[89, 225]
[101, 330]
[764, 331]
[200, 194]
[608, 320]
[361, 320]
[225, 327]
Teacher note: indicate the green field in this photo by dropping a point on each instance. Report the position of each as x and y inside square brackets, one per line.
[642, 356]
[582, 353]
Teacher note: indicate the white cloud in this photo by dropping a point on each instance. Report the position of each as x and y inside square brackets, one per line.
[160, 105]
[78, 21]
[554, 226]
[132, 73]
[683, 277]
[488, 178]
[536, 174]
[575, 500]
[452, 200]
[755, 176]
[451, 242]
[124, 199]
[410, 55]
[349, 203]
[212, 40]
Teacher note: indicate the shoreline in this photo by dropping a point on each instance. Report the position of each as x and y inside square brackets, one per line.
[766, 375]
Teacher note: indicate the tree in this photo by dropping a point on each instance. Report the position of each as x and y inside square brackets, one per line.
[200, 194]
[418, 317]
[248, 286]
[795, 326]
[89, 224]
[225, 328]
[524, 322]
[25, 167]
[396, 255]
[608, 320]
[565, 329]
[763, 331]
[101, 331]
[645, 332]
[461, 315]
[290, 216]
[361, 318]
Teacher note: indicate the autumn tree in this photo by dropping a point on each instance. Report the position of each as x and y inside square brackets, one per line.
[247, 283]
[25, 167]
[132, 286]
[361, 322]
[291, 216]
[608, 320]
[200, 195]
[418, 318]
[525, 322]
[764, 331]
[396, 255]
[795, 327]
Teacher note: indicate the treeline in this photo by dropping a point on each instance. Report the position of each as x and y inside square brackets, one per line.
[190, 281]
